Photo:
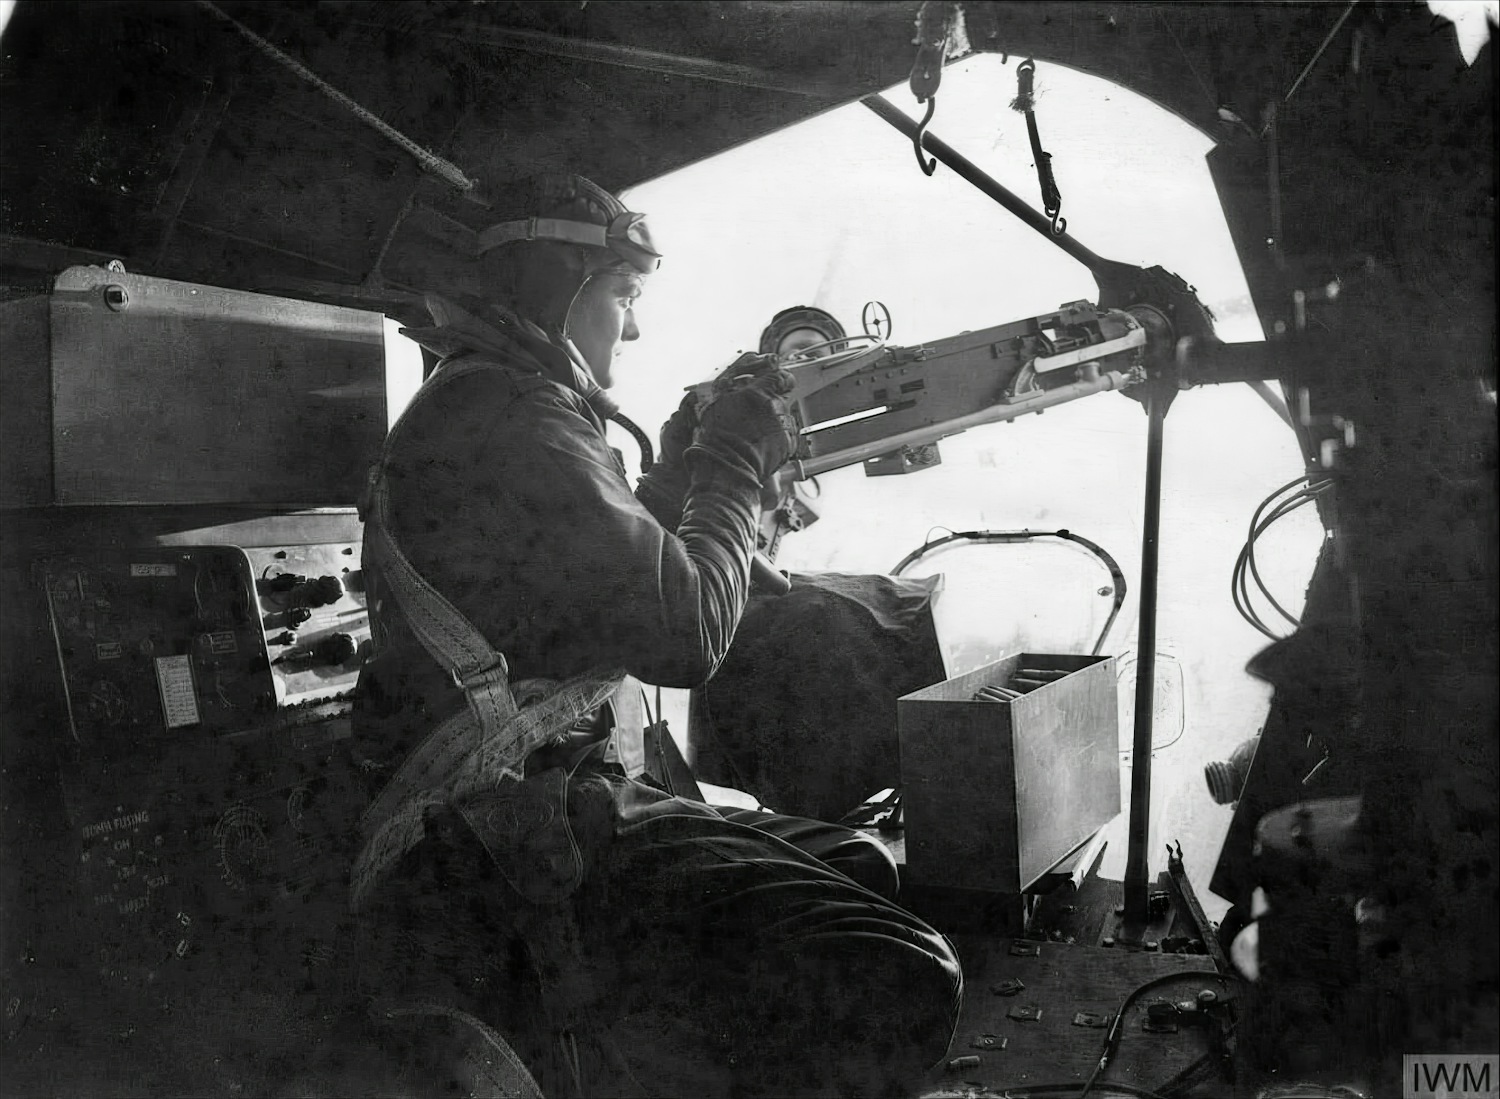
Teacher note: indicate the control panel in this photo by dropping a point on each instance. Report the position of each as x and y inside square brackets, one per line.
[312, 609]
[205, 787]
[158, 643]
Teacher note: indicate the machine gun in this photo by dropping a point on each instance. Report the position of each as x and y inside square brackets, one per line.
[864, 404]
[862, 399]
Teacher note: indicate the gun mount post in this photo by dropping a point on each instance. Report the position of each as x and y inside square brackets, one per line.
[1157, 398]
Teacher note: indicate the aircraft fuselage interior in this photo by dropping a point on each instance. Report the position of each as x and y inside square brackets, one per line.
[1178, 842]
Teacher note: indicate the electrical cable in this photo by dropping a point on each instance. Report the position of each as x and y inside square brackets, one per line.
[1303, 497]
[1241, 596]
[1239, 588]
[1248, 554]
[1026, 1090]
[1246, 612]
[1190, 1077]
[1245, 566]
[1112, 1039]
[1003, 536]
[1256, 528]
[642, 440]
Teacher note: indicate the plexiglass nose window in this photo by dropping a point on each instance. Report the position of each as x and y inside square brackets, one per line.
[835, 212]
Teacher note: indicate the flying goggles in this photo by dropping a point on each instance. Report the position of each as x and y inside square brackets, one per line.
[626, 236]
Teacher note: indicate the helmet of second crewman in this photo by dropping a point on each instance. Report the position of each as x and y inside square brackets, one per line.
[799, 328]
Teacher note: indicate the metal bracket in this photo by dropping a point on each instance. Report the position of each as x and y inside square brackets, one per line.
[1177, 874]
[1092, 1019]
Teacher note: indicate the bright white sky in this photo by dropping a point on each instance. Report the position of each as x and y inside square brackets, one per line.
[834, 212]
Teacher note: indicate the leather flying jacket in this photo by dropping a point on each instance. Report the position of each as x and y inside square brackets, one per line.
[506, 497]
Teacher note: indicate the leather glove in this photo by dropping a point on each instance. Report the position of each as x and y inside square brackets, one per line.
[677, 433]
[746, 427]
[662, 487]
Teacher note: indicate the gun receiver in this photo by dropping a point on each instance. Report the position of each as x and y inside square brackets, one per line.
[865, 403]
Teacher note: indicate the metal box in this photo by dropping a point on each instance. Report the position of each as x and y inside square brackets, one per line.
[25, 405]
[169, 392]
[995, 793]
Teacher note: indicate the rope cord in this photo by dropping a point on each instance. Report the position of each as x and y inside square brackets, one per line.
[430, 161]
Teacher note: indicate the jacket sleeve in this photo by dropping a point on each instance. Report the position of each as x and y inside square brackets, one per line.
[664, 605]
[663, 492]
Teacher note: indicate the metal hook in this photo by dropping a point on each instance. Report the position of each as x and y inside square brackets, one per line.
[927, 166]
[1025, 93]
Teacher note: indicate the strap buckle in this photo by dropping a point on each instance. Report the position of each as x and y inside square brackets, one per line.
[497, 672]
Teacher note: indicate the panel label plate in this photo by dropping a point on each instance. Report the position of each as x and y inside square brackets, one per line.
[174, 675]
[154, 568]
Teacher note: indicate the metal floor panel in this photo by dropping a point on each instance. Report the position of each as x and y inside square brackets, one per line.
[1060, 981]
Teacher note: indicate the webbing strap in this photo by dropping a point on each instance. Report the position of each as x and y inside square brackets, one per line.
[449, 637]
[488, 741]
[457, 763]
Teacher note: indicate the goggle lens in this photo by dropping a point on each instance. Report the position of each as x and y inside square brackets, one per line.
[629, 238]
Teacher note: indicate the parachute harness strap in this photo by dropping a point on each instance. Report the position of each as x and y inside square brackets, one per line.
[485, 743]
